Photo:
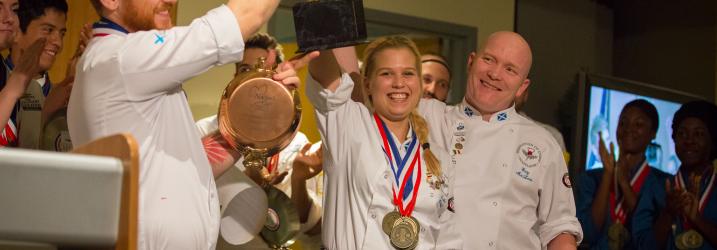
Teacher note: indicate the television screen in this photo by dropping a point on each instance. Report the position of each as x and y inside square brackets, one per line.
[601, 101]
[604, 112]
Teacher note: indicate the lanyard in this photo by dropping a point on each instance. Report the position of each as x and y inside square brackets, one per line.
[406, 178]
[617, 211]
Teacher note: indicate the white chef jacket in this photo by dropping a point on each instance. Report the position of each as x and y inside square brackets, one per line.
[131, 83]
[358, 188]
[512, 189]
[286, 160]
[552, 130]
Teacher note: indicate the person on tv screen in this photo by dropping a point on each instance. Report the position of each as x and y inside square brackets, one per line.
[607, 196]
[681, 212]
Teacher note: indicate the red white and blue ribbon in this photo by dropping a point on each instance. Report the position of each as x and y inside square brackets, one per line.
[8, 134]
[616, 200]
[406, 169]
[106, 27]
[680, 182]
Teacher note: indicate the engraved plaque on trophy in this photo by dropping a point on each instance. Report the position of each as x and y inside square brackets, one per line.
[258, 116]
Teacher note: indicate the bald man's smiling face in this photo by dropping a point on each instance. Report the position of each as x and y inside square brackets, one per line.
[498, 73]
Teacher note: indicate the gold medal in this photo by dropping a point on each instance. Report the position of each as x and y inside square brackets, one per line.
[404, 234]
[389, 220]
[617, 236]
[418, 230]
[689, 240]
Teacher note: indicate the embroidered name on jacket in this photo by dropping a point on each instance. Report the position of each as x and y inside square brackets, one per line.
[525, 174]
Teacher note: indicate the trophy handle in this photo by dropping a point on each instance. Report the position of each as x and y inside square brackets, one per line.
[255, 159]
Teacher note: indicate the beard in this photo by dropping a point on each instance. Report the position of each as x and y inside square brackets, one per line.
[142, 17]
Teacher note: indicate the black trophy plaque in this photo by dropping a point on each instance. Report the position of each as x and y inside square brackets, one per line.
[329, 24]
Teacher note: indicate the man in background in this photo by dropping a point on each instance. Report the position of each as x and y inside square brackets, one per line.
[28, 95]
[436, 77]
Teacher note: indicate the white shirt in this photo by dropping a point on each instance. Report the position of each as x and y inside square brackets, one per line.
[131, 83]
[552, 130]
[512, 190]
[286, 160]
[358, 188]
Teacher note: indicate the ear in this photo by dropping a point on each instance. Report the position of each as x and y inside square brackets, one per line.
[366, 85]
[111, 5]
[523, 87]
[471, 58]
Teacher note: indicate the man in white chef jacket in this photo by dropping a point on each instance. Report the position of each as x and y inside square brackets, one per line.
[512, 189]
[129, 81]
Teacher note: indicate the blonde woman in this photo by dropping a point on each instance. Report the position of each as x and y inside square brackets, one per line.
[385, 188]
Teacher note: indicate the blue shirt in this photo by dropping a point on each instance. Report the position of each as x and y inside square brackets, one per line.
[651, 205]
[589, 181]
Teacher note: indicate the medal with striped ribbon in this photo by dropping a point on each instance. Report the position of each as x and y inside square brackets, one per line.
[617, 233]
[690, 238]
[401, 227]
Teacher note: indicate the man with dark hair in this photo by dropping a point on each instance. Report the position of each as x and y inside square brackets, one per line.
[258, 46]
[130, 81]
[34, 48]
[436, 76]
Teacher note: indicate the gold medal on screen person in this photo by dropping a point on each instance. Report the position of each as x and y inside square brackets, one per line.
[680, 213]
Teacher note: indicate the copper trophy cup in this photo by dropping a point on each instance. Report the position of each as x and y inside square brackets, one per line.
[258, 116]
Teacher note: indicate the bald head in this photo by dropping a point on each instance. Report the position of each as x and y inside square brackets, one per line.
[513, 45]
[498, 73]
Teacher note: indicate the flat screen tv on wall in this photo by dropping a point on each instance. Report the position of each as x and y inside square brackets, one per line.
[599, 105]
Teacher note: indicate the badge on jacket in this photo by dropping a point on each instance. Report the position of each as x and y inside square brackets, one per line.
[529, 154]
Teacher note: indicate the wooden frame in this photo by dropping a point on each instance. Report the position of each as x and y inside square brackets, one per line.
[124, 147]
